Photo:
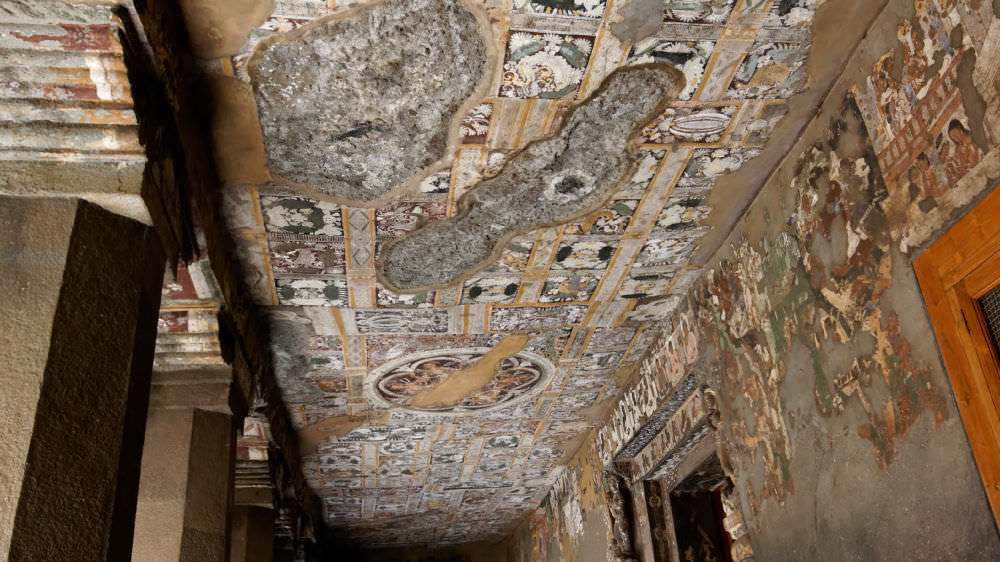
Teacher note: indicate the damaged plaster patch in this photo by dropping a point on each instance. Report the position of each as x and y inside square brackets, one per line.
[637, 20]
[362, 103]
[550, 181]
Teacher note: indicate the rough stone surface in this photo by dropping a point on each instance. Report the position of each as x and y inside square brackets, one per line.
[550, 181]
[81, 289]
[186, 478]
[53, 11]
[357, 105]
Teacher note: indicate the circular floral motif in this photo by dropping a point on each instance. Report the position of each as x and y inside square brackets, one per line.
[397, 383]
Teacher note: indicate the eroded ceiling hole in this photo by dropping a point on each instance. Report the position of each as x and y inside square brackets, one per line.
[550, 181]
[356, 105]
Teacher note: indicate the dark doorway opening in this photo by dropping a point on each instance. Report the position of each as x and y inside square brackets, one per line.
[698, 515]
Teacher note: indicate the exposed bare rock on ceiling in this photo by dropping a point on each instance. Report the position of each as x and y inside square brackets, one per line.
[549, 182]
[356, 105]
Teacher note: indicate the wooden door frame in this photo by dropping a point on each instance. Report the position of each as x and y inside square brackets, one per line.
[954, 273]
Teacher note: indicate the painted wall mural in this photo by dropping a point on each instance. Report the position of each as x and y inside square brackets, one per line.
[815, 297]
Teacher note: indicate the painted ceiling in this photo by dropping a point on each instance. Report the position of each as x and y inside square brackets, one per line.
[548, 327]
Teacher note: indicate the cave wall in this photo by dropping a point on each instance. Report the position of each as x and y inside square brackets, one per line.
[835, 418]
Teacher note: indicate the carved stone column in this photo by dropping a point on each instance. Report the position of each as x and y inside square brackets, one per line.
[79, 287]
[253, 534]
[185, 492]
[253, 501]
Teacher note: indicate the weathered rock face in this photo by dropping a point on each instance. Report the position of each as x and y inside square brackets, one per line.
[550, 181]
[359, 104]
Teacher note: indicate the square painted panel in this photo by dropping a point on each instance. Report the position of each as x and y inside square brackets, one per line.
[639, 286]
[712, 12]
[600, 360]
[436, 183]
[312, 292]
[327, 362]
[690, 57]
[506, 319]
[791, 13]
[515, 257]
[610, 338]
[301, 216]
[584, 254]
[502, 442]
[613, 220]
[569, 288]
[690, 125]
[684, 215]
[401, 321]
[568, 404]
[580, 8]
[712, 163]
[584, 382]
[406, 216]
[387, 299]
[476, 124]
[325, 343]
[490, 289]
[332, 384]
[771, 70]
[649, 165]
[307, 258]
[659, 252]
[386, 347]
[549, 66]
[760, 128]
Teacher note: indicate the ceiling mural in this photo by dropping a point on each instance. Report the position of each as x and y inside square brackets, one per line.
[528, 284]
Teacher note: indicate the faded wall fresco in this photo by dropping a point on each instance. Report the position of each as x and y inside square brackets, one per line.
[572, 523]
[808, 336]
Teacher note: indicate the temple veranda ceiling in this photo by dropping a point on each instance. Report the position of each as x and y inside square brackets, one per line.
[476, 215]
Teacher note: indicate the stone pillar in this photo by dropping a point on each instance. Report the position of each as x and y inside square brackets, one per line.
[253, 495]
[80, 288]
[253, 534]
[184, 492]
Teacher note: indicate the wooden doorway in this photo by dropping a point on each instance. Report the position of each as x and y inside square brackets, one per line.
[956, 274]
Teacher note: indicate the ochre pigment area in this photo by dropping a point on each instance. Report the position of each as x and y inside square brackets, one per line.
[550, 181]
[355, 105]
[471, 380]
[311, 435]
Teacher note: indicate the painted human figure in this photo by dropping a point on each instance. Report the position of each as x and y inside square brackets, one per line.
[928, 176]
[914, 63]
[895, 108]
[965, 155]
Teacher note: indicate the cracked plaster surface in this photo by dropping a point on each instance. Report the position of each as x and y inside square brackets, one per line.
[355, 105]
